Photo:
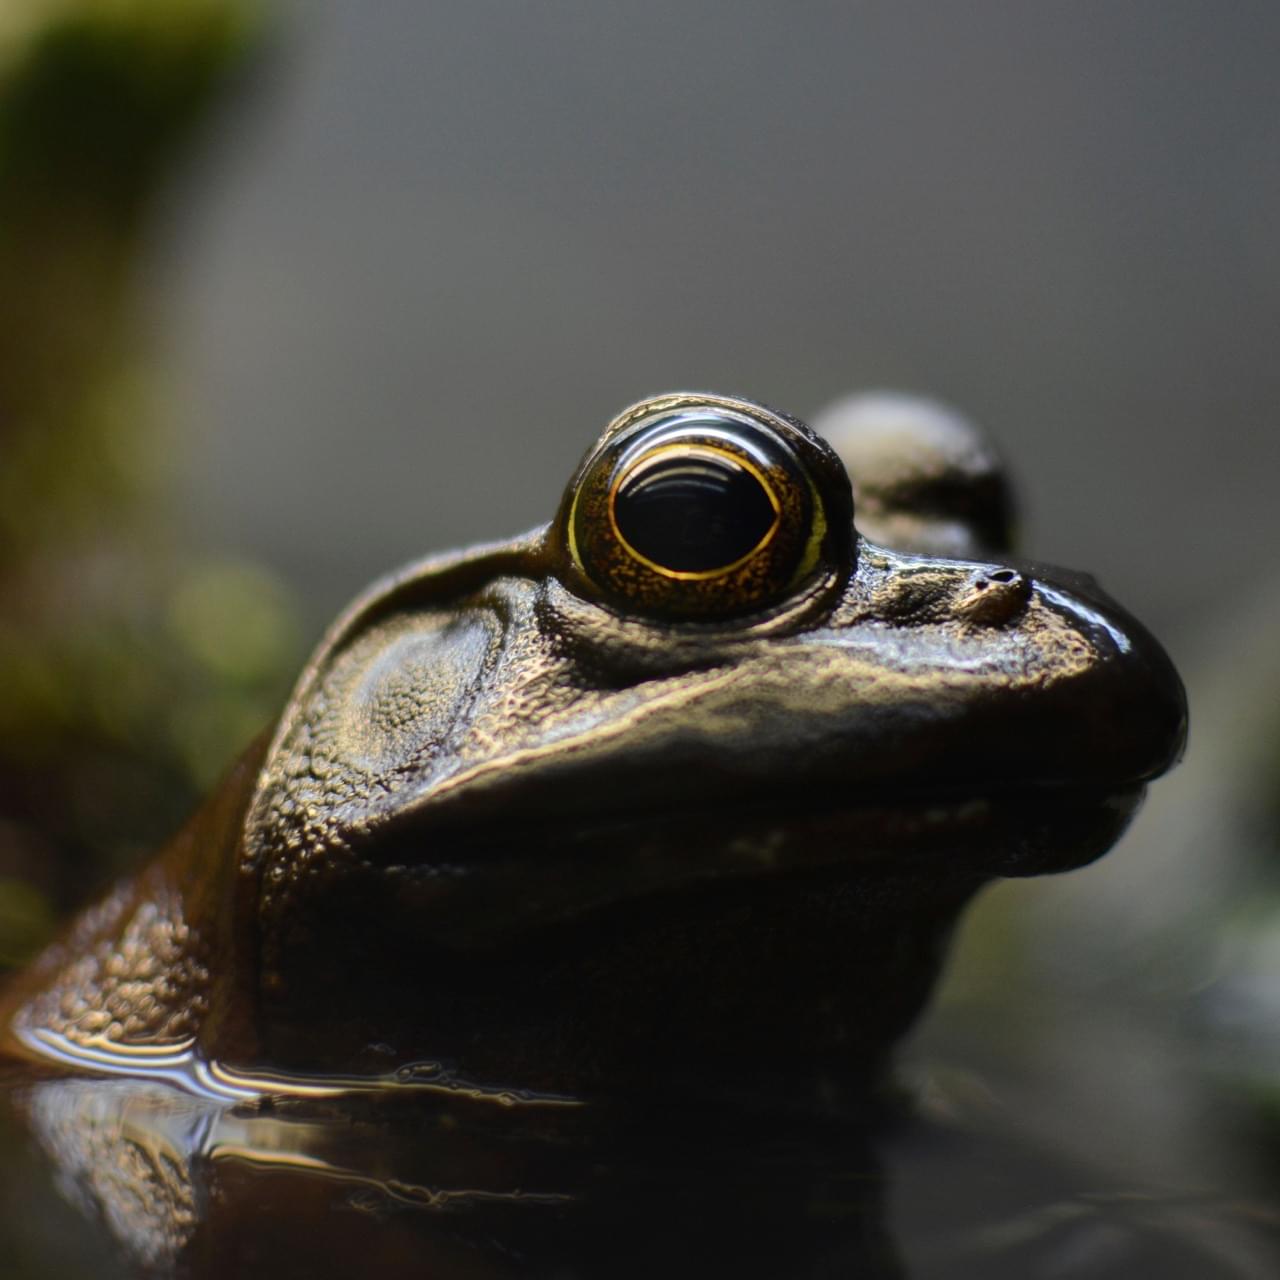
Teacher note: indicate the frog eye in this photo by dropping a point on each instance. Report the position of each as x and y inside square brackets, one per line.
[698, 509]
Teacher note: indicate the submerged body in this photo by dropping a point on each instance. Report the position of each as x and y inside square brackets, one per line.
[683, 791]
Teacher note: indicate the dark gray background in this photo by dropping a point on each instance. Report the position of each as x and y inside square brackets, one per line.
[444, 242]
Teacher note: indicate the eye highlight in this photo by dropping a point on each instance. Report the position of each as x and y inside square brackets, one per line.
[701, 509]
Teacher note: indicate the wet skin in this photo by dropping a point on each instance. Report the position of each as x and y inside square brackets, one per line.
[683, 791]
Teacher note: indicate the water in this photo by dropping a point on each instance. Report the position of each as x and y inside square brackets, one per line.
[988, 1162]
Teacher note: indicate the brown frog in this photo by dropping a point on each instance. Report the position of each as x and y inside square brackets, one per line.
[683, 790]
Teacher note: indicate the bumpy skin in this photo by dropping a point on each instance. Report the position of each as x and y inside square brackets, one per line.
[511, 826]
[148, 964]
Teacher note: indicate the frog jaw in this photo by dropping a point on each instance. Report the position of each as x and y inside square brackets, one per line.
[521, 704]
[517, 756]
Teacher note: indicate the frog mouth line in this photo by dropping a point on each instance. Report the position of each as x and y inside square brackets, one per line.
[906, 808]
[475, 888]
[479, 885]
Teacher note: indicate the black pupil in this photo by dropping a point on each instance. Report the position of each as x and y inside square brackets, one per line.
[692, 512]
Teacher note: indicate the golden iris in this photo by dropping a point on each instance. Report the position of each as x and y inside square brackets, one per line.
[700, 510]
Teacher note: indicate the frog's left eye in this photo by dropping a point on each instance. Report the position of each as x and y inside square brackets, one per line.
[697, 510]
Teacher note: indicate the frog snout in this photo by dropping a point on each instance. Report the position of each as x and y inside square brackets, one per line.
[1126, 699]
[1150, 708]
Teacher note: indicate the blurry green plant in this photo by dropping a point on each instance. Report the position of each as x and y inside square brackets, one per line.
[131, 670]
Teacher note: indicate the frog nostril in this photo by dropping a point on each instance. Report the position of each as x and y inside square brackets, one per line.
[994, 596]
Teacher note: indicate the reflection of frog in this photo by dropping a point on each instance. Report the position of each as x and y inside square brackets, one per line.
[690, 784]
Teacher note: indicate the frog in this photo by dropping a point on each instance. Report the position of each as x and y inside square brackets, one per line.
[683, 791]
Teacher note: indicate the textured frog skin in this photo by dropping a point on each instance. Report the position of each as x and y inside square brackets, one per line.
[138, 967]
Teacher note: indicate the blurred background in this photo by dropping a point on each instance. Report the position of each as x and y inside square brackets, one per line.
[444, 243]
[293, 293]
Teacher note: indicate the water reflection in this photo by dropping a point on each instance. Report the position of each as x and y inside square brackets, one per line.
[397, 1182]
[403, 1180]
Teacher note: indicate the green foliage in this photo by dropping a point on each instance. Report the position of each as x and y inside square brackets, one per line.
[97, 98]
[131, 669]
